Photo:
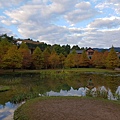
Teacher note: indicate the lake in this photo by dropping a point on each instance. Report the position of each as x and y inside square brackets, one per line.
[24, 86]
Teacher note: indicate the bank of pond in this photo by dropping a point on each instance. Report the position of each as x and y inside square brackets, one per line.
[18, 87]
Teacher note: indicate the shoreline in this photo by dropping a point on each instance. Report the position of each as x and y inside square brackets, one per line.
[68, 108]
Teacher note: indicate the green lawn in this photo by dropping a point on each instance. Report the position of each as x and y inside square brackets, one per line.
[67, 70]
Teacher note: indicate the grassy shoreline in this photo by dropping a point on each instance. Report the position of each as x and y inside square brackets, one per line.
[24, 112]
[96, 70]
[4, 88]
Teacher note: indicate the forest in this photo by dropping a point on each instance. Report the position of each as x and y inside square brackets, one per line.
[45, 56]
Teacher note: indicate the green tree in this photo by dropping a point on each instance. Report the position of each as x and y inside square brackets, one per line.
[12, 59]
[37, 58]
[70, 59]
[66, 49]
[23, 46]
[84, 60]
[112, 59]
[75, 47]
[4, 46]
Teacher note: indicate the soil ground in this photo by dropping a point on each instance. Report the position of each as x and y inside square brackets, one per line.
[74, 109]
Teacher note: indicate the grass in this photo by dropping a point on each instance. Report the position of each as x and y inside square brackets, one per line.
[4, 88]
[25, 112]
[23, 97]
[66, 70]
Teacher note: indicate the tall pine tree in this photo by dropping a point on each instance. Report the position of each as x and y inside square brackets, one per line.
[12, 59]
[26, 63]
[112, 59]
[84, 60]
[37, 58]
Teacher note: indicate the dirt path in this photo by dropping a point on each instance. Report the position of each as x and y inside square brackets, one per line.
[74, 109]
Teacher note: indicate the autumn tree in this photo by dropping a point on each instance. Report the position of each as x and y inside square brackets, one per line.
[97, 59]
[84, 60]
[37, 58]
[77, 60]
[104, 58]
[46, 55]
[12, 59]
[54, 59]
[26, 63]
[112, 59]
[70, 59]
[61, 60]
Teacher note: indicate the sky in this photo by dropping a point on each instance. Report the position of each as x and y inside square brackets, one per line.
[86, 23]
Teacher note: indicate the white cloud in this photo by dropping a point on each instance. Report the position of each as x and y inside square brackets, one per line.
[9, 3]
[100, 38]
[103, 5]
[82, 23]
[82, 12]
[114, 1]
[5, 30]
[114, 5]
[111, 22]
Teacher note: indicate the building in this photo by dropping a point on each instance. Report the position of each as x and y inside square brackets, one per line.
[90, 51]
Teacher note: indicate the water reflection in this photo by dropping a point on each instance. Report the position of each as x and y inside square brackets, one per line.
[80, 92]
[56, 84]
[118, 90]
[7, 111]
[84, 91]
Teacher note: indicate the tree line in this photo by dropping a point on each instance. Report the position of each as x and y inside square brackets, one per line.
[13, 56]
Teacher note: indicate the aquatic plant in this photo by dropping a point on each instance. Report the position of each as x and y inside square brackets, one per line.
[23, 97]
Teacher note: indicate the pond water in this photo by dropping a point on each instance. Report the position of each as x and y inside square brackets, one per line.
[7, 111]
[29, 85]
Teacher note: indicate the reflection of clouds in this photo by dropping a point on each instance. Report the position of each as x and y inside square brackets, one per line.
[80, 92]
[118, 90]
[103, 89]
[7, 111]
[110, 95]
[83, 91]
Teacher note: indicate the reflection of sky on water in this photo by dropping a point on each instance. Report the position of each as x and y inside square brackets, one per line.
[83, 91]
[7, 111]
[118, 90]
[80, 92]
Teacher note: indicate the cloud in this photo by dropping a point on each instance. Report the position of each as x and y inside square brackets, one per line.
[114, 1]
[9, 3]
[113, 5]
[100, 38]
[111, 22]
[82, 12]
[64, 21]
[103, 5]
[5, 30]
[36, 21]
